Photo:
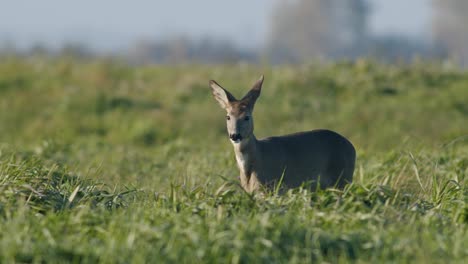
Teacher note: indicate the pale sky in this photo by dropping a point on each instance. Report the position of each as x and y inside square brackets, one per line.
[113, 24]
[408, 17]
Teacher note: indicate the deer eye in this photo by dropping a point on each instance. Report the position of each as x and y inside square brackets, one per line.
[247, 118]
[228, 118]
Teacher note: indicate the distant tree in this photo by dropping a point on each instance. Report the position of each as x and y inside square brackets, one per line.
[317, 29]
[182, 49]
[76, 50]
[7, 48]
[393, 48]
[169, 51]
[450, 28]
[39, 49]
[141, 52]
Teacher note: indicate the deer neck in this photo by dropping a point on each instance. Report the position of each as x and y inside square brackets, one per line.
[247, 157]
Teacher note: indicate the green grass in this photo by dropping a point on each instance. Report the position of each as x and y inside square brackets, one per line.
[103, 162]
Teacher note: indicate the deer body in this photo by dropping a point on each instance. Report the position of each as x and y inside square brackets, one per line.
[318, 157]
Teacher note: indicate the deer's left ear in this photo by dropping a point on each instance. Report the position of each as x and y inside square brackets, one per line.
[251, 97]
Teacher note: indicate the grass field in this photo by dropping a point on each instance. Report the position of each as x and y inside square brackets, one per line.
[104, 162]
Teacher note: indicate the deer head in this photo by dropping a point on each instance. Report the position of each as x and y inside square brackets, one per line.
[239, 118]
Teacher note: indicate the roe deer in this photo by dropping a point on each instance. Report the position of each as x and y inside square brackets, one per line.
[320, 157]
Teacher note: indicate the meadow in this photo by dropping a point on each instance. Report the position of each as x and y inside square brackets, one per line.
[105, 162]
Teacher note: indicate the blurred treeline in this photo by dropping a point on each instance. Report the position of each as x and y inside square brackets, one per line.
[303, 31]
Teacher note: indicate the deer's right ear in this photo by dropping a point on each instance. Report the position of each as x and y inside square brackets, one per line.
[221, 95]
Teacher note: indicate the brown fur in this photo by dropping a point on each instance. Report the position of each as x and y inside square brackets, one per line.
[322, 158]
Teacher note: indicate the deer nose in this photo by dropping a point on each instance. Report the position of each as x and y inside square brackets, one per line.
[235, 137]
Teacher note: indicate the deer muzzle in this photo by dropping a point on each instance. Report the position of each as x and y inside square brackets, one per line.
[235, 137]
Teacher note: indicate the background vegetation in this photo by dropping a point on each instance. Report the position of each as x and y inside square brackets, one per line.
[103, 162]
